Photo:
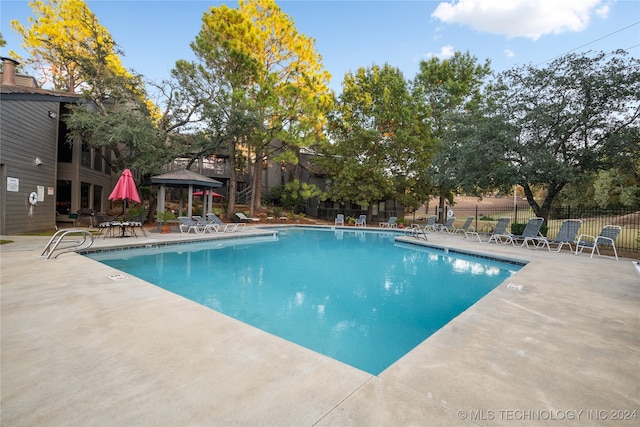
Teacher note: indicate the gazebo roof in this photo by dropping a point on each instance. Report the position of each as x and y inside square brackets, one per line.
[185, 177]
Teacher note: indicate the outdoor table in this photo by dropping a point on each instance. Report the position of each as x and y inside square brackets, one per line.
[121, 226]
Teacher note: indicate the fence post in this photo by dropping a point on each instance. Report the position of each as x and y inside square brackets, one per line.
[477, 219]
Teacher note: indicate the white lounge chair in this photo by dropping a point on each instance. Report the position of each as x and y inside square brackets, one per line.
[465, 227]
[339, 219]
[447, 226]
[187, 224]
[389, 224]
[566, 236]
[607, 237]
[225, 227]
[206, 224]
[431, 223]
[498, 234]
[361, 221]
[245, 218]
[529, 235]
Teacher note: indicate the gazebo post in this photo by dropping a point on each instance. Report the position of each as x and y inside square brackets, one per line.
[190, 201]
[161, 196]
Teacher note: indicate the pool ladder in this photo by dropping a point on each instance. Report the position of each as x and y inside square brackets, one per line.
[71, 245]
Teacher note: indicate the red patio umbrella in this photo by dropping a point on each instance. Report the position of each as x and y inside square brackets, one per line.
[125, 190]
[213, 194]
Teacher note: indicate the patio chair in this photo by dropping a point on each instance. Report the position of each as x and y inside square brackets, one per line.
[466, 227]
[607, 237]
[447, 226]
[498, 234]
[245, 218]
[339, 219]
[137, 222]
[529, 234]
[225, 227]
[206, 224]
[361, 221]
[187, 224]
[389, 224]
[566, 236]
[430, 225]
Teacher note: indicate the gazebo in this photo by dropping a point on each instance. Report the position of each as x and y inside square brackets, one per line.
[185, 178]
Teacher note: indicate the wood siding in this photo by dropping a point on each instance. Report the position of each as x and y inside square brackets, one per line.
[27, 132]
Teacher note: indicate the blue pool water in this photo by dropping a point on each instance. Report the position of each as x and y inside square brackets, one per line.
[355, 296]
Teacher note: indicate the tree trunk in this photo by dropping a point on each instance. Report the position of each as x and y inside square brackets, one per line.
[542, 211]
[256, 185]
[442, 202]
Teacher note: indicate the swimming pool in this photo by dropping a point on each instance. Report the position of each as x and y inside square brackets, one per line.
[356, 296]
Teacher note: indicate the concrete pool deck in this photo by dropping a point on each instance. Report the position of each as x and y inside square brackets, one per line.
[82, 344]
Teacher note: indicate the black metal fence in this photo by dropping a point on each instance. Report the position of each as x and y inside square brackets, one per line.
[593, 220]
[486, 216]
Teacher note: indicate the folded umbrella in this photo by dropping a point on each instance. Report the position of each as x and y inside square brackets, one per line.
[125, 190]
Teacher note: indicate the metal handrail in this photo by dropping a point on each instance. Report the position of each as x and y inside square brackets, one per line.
[74, 245]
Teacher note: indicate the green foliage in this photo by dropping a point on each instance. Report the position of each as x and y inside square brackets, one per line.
[276, 193]
[277, 211]
[517, 228]
[136, 210]
[613, 187]
[551, 127]
[442, 88]
[293, 194]
[165, 216]
[379, 147]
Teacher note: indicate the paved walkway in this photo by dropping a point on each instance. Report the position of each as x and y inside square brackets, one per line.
[557, 344]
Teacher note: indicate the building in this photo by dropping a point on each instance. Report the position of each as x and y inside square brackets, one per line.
[35, 157]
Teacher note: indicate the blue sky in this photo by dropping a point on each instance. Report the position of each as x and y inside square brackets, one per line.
[354, 33]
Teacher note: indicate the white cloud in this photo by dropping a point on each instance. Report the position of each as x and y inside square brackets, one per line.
[445, 52]
[522, 18]
[509, 53]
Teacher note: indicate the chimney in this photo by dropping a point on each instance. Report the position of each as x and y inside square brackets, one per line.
[9, 71]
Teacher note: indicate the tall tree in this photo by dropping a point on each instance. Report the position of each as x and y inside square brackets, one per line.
[61, 32]
[444, 87]
[378, 149]
[222, 82]
[553, 126]
[292, 93]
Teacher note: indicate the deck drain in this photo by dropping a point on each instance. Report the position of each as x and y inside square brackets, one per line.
[118, 277]
[514, 286]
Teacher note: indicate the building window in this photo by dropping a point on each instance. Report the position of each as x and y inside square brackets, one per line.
[97, 198]
[85, 188]
[63, 197]
[65, 148]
